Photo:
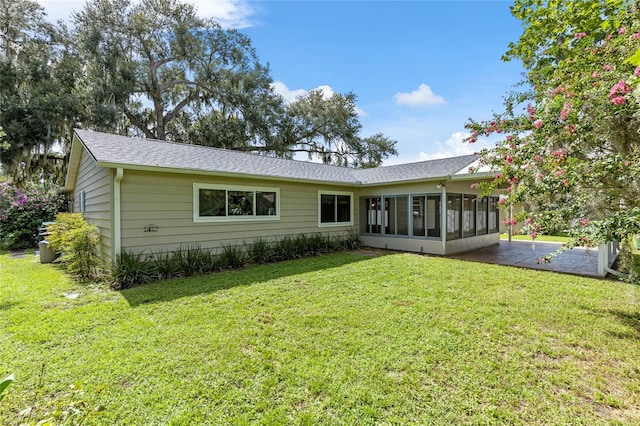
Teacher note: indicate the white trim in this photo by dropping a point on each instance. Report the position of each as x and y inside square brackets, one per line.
[248, 218]
[321, 224]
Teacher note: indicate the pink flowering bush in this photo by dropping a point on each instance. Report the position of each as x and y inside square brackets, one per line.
[23, 211]
[573, 138]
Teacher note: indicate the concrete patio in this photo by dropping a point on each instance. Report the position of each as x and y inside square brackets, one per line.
[525, 254]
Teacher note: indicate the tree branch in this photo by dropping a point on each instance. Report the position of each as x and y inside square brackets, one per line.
[138, 123]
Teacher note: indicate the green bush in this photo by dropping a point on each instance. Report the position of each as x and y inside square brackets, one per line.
[78, 243]
[22, 212]
[130, 269]
[165, 265]
[233, 257]
[260, 251]
[192, 260]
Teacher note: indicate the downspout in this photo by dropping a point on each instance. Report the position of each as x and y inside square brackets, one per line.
[117, 228]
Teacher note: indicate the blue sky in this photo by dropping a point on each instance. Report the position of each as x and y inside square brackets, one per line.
[419, 69]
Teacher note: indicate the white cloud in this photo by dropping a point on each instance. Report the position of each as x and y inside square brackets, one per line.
[228, 13]
[452, 147]
[423, 95]
[290, 95]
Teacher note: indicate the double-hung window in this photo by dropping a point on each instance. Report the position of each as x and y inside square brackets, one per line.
[335, 208]
[220, 203]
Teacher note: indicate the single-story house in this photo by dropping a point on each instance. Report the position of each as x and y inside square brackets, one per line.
[150, 195]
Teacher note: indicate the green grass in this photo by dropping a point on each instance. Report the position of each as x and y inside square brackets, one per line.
[339, 339]
[543, 238]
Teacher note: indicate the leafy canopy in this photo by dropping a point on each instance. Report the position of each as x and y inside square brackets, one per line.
[570, 148]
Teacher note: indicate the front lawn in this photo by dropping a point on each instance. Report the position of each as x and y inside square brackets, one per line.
[347, 338]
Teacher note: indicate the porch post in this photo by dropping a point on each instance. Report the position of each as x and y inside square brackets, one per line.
[443, 218]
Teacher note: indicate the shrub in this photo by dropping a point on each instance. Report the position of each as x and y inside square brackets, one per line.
[77, 242]
[165, 265]
[285, 248]
[22, 212]
[260, 251]
[130, 269]
[192, 260]
[233, 256]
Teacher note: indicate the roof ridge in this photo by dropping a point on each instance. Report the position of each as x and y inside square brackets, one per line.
[111, 150]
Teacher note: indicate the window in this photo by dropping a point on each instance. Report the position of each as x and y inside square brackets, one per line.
[396, 215]
[468, 216]
[454, 224]
[335, 208]
[370, 215]
[419, 215]
[212, 203]
[433, 216]
[481, 215]
[494, 215]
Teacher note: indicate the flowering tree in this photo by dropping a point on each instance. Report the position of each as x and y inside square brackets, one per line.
[570, 148]
[22, 211]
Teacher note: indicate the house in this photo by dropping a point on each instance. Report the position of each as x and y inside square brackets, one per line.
[150, 195]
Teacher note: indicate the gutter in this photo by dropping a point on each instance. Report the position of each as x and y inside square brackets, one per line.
[117, 230]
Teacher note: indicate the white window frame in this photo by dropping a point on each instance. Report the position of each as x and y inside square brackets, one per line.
[248, 218]
[82, 201]
[333, 224]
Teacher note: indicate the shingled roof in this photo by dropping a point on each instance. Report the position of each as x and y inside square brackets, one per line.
[137, 153]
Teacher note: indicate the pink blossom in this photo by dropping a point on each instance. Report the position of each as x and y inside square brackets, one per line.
[584, 221]
[498, 175]
[595, 74]
[636, 36]
[509, 160]
[622, 30]
[509, 138]
[580, 35]
[537, 123]
[539, 175]
[501, 201]
[509, 189]
[636, 72]
[608, 67]
[626, 163]
[565, 111]
[619, 100]
[537, 158]
[565, 182]
[534, 235]
[621, 87]
[531, 111]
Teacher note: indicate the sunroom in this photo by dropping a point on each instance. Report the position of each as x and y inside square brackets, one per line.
[438, 218]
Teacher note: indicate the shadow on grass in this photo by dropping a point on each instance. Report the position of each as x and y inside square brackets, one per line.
[177, 288]
[5, 306]
[631, 320]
